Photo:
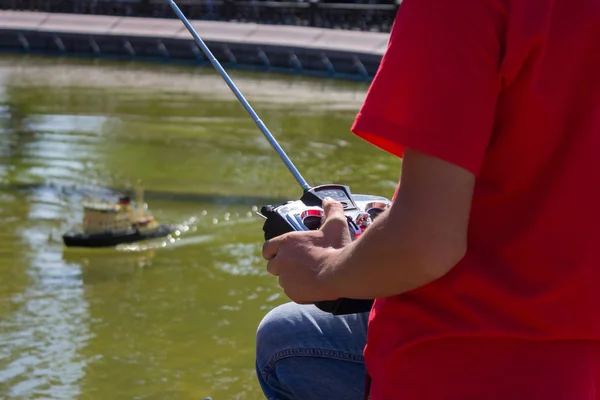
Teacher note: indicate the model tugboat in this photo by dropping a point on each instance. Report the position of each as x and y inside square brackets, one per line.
[107, 224]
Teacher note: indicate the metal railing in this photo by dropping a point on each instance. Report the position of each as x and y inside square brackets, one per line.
[371, 16]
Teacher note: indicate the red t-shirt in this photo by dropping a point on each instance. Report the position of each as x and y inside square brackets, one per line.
[509, 90]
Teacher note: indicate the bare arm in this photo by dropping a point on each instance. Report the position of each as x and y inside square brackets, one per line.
[418, 240]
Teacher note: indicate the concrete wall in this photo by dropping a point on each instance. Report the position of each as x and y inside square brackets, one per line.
[304, 49]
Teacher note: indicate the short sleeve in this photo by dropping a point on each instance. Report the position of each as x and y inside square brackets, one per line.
[438, 82]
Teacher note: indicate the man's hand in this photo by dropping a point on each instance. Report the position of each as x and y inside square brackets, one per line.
[304, 260]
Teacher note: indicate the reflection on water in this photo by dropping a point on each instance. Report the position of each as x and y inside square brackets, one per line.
[175, 317]
[47, 328]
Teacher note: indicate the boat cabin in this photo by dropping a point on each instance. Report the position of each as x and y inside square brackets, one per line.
[103, 216]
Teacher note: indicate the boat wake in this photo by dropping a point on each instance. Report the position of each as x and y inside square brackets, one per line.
[184, 233]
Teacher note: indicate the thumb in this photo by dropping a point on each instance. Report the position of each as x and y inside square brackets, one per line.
[335, 224]
[333, 210]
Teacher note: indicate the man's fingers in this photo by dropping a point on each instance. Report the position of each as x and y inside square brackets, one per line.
[270, 248]
[292, 296]
[273, 267]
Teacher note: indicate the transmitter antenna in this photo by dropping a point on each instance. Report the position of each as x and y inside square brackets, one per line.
[240, 97]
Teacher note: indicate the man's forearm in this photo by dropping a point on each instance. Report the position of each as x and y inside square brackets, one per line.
[394, 255]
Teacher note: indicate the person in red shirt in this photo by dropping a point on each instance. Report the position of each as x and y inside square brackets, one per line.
[486, 268]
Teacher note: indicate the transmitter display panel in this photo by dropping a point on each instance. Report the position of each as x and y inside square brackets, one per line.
[334, 193]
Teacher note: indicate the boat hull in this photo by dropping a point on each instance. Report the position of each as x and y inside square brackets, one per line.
[110, 239]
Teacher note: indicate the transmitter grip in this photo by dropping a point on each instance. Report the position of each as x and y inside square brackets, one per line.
[274, 226]
[294, 215]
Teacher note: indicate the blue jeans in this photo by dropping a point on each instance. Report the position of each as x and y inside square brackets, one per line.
[307, 354]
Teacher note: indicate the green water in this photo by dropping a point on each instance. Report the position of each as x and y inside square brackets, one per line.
[172, 318]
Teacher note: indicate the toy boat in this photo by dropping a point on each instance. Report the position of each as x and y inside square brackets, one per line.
[107, 224]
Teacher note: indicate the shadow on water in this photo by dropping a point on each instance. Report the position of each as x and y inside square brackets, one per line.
[173, 318]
